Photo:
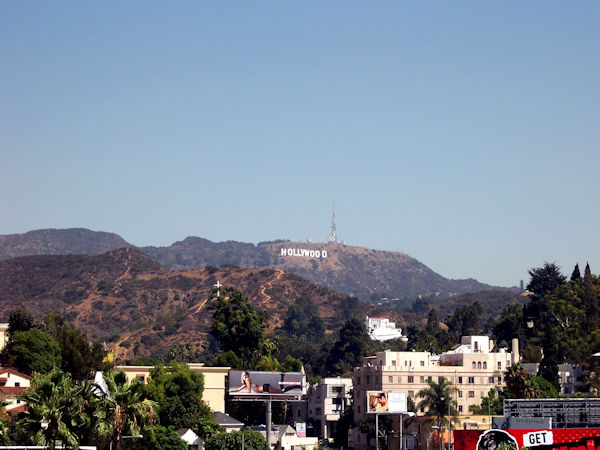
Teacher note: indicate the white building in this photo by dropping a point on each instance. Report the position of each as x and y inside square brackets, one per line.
[381, 329]
[13, 384]
[324, 404]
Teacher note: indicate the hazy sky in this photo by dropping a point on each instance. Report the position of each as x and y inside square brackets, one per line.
[465, 134]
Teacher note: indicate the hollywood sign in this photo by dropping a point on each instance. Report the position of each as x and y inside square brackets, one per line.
[304, 252]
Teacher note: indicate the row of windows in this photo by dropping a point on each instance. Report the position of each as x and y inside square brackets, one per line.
[408, 363]
[411, 379]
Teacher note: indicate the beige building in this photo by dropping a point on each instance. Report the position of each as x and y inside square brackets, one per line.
[214, 381]
[3, 335]
[472, 367]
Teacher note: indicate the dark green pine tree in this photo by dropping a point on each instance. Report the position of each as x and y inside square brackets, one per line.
[587, 275]
[576, 275]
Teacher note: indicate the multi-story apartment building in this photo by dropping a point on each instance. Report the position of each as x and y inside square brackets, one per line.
[570, 376]
[323, 405]
[472, 367]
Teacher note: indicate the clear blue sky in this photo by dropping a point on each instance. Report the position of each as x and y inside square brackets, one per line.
[465, 134]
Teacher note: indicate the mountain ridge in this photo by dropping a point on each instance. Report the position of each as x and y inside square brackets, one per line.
[352, 270]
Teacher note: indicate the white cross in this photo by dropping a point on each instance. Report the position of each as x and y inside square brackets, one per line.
[218, 286]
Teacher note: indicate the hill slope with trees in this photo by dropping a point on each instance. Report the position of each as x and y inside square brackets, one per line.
[128, 300]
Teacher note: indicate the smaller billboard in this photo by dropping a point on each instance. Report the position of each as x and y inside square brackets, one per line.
[301, 429]
[386, 402]
[243, 383]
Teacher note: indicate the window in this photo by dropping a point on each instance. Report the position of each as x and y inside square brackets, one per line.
[479, 365]
[474, 365]
[485, 365]
[428, 378]
[459, 380]
[491, 380]
[422, 379]
[471, 394]
[140, 378]
[17, 384]
[368, 379]
[499, 380]
[298, 413]
[357, 380]
[499, 365]
[411, 379]
[460, 408]
[459, 394]
[390, 379]
[393, 362]
[422, 363]
[405, 363]
[411, 394]
[471, 380]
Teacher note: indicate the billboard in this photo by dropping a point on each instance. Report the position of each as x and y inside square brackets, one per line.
[386, 402]
[535, 439]
[243, 383]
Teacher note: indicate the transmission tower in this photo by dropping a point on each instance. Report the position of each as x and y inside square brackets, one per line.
[332, 238]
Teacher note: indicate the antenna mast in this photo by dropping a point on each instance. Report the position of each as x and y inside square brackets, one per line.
[332, 238]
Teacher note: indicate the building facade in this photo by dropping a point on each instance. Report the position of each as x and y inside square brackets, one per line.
[214, 381]
[13, 384]
[472, 367]
[323, 405]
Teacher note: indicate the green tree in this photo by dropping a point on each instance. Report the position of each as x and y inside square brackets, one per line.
[32, 351]
[253, 440]
[177, 390]
[53, 410]
[20, 319]
[79, 356]
[465, 321]
[350, 348]
[236, 326]
[576, 275]
[517, 382]
[545, 279]
[161, 438]
[509, 325]
[123, 410]
[437, 401]
[490, 404]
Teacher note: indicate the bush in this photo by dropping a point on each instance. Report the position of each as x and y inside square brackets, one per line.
[253, 440]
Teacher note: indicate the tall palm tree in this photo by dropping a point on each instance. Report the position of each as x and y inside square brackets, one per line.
[53, 409]
[123, 410]
[438, 402]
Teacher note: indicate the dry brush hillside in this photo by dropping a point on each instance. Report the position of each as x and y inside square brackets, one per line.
[127, 299]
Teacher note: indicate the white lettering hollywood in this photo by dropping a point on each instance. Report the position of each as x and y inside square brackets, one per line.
[304, 252]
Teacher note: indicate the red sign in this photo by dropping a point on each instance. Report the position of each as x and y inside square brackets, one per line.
[548, 439]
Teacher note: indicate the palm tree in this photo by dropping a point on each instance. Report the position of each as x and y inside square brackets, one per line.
[437, 401]
[124, 411]
[53, 410]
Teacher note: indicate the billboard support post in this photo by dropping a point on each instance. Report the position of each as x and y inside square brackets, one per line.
[401, 425]
[268, 423]
[376, 431]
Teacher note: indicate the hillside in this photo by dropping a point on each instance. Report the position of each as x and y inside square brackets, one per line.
[72, 241]
[127, 299]
[347, 269]
[352, 270]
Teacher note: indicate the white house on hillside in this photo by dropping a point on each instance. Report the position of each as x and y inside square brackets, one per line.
[381, 329]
